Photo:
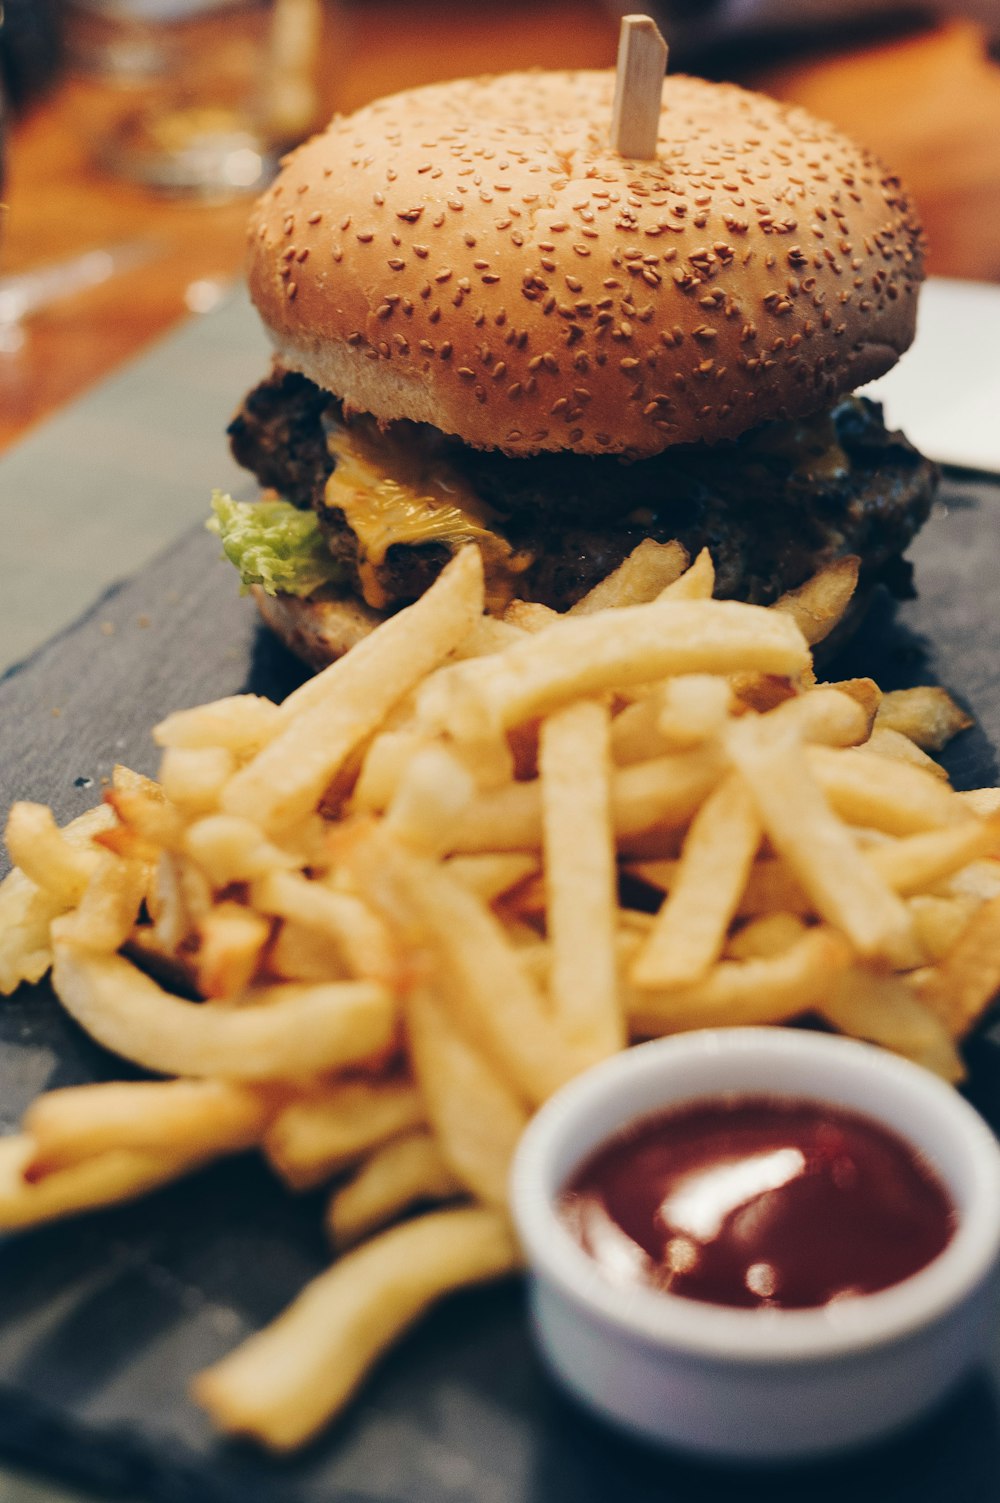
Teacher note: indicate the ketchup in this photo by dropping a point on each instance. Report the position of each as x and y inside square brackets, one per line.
[758, 1201]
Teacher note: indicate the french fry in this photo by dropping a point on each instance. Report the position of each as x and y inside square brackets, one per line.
[357, 934]
[175, 1117]
[298, 953]
[331, 715]
[491, 875]
[582, 656]
[429, 801]
[764, 691]
[927, 716]
[173, 919]
[884, 742]
[664, 791]
[825, 716]
[120, 1174]
[231, 945]
[229, 848]
[26, 914]
[980, 879]
[696, 583]
[383, 768]
[939, 923]
[815, 845]
[476, 1117]
[865, 690]
[635, 731]
[40, 849]
[313, 1138]
[500, 1008]
[27, 910]
[108, 908]
[982, 801]
[485, 637]
[294, 1030]
[579, 866]
[770, 888]
[873, 791]
[529, 615]
[403, 1173]
[965, 982]
[916, 863]
[736, 992]
[641, 577]
[145, 811]
[241, 724]
[880, 1007]
[819, 605]
[711, 874]
[193, 777]
[283, 1384]
[693, 709]
[771, 934]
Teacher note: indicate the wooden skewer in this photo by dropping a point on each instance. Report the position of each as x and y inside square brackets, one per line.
[642, 62]
[292, 101]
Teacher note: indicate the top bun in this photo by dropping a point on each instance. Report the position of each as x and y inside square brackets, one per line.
[474, 255]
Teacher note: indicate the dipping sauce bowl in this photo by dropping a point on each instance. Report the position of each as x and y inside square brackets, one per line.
[765, 1383]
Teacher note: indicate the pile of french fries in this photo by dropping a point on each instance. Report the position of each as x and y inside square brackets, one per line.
[369, 930]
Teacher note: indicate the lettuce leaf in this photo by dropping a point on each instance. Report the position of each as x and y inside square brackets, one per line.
[273, 545]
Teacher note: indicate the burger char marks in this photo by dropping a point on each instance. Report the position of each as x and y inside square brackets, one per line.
[772, 507]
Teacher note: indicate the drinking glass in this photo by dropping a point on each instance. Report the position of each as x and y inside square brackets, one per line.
[196, 96]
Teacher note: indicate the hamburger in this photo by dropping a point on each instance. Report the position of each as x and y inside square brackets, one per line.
[487, 325]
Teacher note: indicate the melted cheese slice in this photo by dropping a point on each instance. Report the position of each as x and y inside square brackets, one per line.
[810, 445]
[400, 491]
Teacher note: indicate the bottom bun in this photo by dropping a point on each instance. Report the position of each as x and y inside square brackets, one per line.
[320, 628]
[326, 624]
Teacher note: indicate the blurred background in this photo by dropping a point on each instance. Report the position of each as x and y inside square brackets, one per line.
[133, 131]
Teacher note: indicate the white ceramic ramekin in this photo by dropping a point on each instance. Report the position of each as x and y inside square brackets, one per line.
[760, 1384]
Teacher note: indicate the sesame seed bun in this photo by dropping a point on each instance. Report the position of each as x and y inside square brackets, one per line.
[475, 256]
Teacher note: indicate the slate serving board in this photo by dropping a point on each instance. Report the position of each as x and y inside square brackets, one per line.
[104, 1320]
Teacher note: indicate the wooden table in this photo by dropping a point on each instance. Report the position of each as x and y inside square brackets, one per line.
[928, 101]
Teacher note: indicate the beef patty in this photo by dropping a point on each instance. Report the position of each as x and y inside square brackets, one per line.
[771, 507]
